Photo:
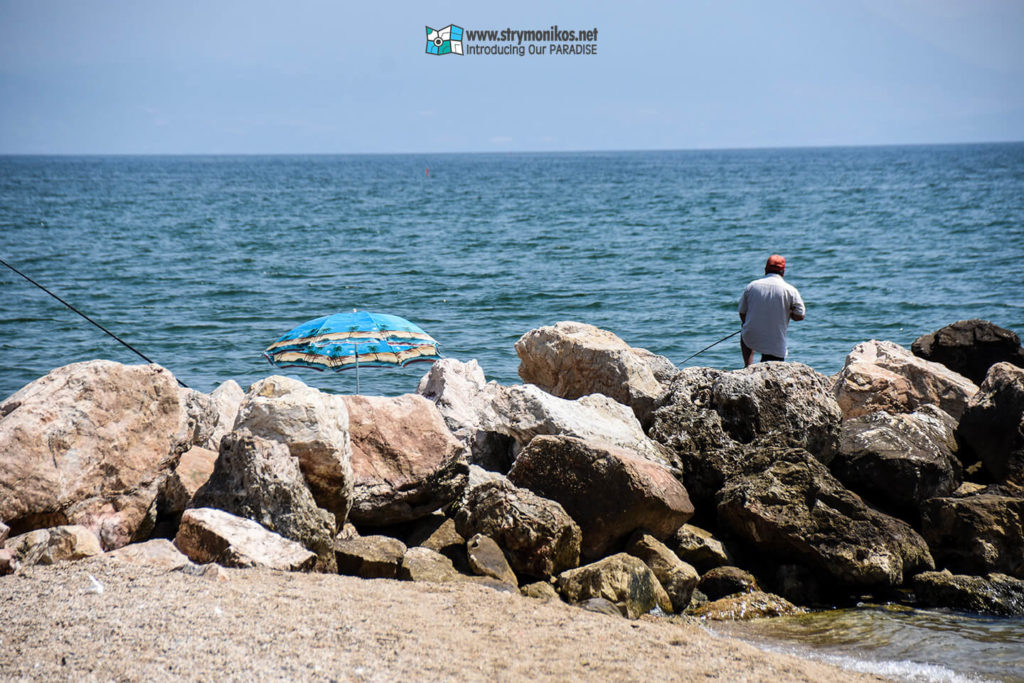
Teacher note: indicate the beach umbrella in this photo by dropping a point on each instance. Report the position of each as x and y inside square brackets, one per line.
[350, 340]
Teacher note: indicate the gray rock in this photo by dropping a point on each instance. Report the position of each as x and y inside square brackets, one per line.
[622, 579]
[789, 403]
[996, 594]
[314, 426]
[601, 606]
[467, 403]
[899, 461]
[610, 492]
[992, 427]
[487, 559]
[260, 480]
[788, 507]
[970, 348]
[5, 531]
[227, 399]
[539, 538]
[370, 557]
[677, 577]
[208, 535]
[978, 533]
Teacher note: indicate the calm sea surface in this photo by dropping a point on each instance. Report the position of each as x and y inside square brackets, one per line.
[202, 262]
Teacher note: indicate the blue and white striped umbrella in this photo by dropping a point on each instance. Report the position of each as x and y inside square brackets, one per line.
[351, 340]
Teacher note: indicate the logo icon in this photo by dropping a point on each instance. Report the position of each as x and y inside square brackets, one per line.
[445, 40]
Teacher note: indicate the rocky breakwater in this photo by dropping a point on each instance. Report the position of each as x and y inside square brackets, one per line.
[611, 479]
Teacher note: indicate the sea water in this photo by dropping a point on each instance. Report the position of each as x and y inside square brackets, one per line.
[202, 262]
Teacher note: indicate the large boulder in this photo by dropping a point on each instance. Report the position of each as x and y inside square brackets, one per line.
[970, 348]
[424, 564]
[899, 461]
[405, 461]
[571, 360]
[881, 375]
[91, 443]
[721, 582]
[209, 535]
[314, 426]
[992, 426]
[227, 399]
[789, 508]
[57, 544]
[996, 594]
[496, 422]
[979, 533]
[259, 479]
[610, 492]
[596, 418]
[467, 403]
[539, 538]
[711, 420]
[622, 579]
[787, 403]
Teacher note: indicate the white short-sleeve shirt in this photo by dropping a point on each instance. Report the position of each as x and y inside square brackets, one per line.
[767, 304]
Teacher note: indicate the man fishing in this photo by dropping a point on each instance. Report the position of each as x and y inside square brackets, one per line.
[766, 307]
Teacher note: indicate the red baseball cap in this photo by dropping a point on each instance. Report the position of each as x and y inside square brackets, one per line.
[776, 264]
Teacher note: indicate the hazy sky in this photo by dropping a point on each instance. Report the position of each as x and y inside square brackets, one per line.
[344, 77]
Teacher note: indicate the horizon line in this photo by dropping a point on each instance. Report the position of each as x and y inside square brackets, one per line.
[537, 151]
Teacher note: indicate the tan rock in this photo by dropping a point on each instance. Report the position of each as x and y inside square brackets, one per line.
[314, 426]
[193, 470]
[699, 548]
[572, 359]
[487, 559]
[56, 544]
[370, 557]
[208, 535]
[540, 590]
[745, 606]
[424, 564]
[90, 444]
[677, 577]
[881, 375]
[405, 461]
[622, 579]
[159, 553]
[5, 531]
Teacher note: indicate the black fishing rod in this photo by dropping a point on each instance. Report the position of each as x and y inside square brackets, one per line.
[710, 345]
[132, 348]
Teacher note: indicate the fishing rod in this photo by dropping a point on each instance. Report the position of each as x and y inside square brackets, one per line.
[710, 345]
[132, 348]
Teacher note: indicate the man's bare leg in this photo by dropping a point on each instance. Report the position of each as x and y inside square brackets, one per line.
[748, 354]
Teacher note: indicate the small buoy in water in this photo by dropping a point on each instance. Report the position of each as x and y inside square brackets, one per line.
[428, 171]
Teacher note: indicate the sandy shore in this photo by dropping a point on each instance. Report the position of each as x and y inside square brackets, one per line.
[152, 625]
